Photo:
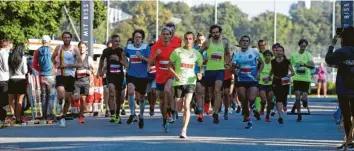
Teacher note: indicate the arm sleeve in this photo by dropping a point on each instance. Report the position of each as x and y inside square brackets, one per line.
[35, 60]
[147, 52]
[152, 52]
[125, 52]
[173, 56]
[5, 58]
[24, 66]
[333, 57]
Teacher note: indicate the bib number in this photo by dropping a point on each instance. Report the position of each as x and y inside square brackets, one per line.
[163, 65]
[285, 81]
[245, 70]
[265, 79]
[216, 56]
[300, 70]
[114, 68]
[135, 59]
[81, 73]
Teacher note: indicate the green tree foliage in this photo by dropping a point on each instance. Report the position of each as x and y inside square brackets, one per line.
[21, 20]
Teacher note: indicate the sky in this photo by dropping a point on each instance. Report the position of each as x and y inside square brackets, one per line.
[251, 7]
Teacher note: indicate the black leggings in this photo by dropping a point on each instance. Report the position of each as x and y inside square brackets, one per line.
[281, 93]
[346, 104]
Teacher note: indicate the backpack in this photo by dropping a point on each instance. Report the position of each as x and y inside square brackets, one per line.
[44, 59]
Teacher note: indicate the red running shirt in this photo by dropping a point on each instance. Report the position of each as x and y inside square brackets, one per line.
[161, 62]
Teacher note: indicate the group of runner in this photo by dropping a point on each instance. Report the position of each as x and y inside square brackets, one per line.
[204, 71]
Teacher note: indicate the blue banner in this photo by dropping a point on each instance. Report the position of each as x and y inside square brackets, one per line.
[347, 13]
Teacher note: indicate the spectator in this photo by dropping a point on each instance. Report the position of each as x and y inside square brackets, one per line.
[321, 73]
[43, 64]
[17, 83]
[343, 58]
[4, 77]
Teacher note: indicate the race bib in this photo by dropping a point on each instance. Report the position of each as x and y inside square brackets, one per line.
[285, 81]
[80, 73]
[217, 56]
[246, 69]
[152, 69]
[301, 70]
[186, 66]
[135, 59]
[265, 79]
[114, 68]
[163, 65]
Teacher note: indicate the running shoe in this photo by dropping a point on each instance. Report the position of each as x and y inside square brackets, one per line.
[285, 109]
[206, 108]
[293, 109]
[69, 117]
[25, 118]
[107, 114]
[59, 109]
[113, 118]
[118, 120]
[10, 119]
[95, 113]
[280, 120]
[233, 106]
[249, 125]
[173, 117]
[141, 122]
[226, 116]
[257, 115]
[216, 118]
[131, 119]
[123, 112]
[152, 112]
[238, 110]
[268, 119]
[200, 118]
[76, 115]
[165, 126]
[62, 122]
[261, 112]
[183, 134]
[273, 113]
[169, 115]
[349, 147]
[246, 118]
[299, 118]
[81, 120]
[305, 104]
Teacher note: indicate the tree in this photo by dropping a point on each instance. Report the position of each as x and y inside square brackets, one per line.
[21, 20]
[144, 17]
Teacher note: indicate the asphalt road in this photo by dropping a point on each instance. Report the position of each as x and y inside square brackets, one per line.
[317, 132]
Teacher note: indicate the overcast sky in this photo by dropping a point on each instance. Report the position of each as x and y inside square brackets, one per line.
[251, 7]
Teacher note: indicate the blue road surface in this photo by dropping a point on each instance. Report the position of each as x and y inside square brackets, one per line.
[317, 132]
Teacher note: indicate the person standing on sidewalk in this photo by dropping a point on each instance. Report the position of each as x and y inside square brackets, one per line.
[4, 78]
[343, 58]
[43, 64]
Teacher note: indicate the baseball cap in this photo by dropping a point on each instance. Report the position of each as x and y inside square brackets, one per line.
[45, 38]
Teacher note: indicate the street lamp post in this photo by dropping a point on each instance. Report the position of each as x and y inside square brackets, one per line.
[157, 20]
[216, 12]
[275, 23]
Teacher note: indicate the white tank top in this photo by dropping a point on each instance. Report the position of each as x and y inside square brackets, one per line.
[66, 57]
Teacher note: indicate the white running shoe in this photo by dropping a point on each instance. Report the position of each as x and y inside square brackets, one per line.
[62, 122]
